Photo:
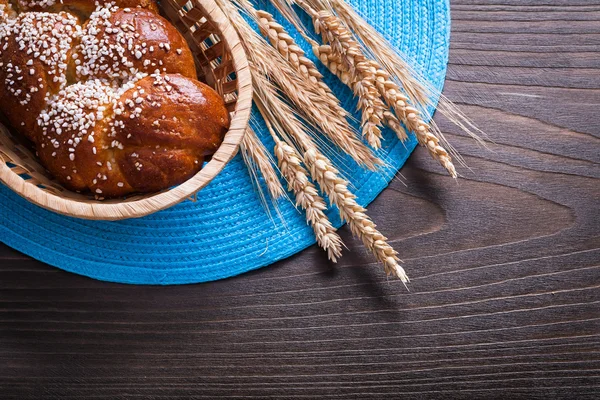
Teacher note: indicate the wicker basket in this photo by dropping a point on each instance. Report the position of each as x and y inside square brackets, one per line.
[221, 63]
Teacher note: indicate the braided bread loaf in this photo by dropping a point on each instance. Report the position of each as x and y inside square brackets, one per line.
[112, 105]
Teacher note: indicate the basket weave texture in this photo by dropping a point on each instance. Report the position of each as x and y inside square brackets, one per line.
[221, 63]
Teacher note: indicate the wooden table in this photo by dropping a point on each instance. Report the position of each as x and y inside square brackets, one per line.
[505, 296]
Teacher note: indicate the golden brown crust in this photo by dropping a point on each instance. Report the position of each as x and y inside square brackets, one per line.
[118, 43]
[70, 150]
[164, 134]
[172, 110]
[152, 136]
[30, 77]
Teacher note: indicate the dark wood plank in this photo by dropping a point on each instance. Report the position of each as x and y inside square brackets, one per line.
[505, 263]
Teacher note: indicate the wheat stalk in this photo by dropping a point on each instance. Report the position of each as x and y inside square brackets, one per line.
[369, 103]
[411, 117]
[308, 198]
[283, 121]
[417, 87]
[287, 47]
[312, 104]
[380, 49]
[419, 90]
[356, 64]
[375, 82]
[326, 175]
[359, 222]
[255, 156]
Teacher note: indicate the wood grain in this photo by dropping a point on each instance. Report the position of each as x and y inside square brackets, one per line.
[505, 264]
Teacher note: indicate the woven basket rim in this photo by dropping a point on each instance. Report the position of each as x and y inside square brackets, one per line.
[98, 210]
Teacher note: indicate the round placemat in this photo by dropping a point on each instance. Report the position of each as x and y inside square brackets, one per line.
[227, 231]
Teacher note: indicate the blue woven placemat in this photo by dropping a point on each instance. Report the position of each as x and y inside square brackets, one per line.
[227, 231]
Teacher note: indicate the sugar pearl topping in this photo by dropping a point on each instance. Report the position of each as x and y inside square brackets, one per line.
[40, 4]
[43, 37]
[78, 107]
[113, 54]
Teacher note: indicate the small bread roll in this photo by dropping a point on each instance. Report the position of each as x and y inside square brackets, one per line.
[143, 137]
[34, 52]
[118, 43]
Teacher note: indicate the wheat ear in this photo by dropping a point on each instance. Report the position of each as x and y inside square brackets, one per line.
[314, 106]
[287, 47]
[392, 121]
[418, 89]
[326, 175]
[412, 118]
[336, 188]
[359, 222]
[332, 30]
[308, 198]
[255, 156]
[336, 66]
[282, 122]
[380, 49]
[345, 58]
[369, 103]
